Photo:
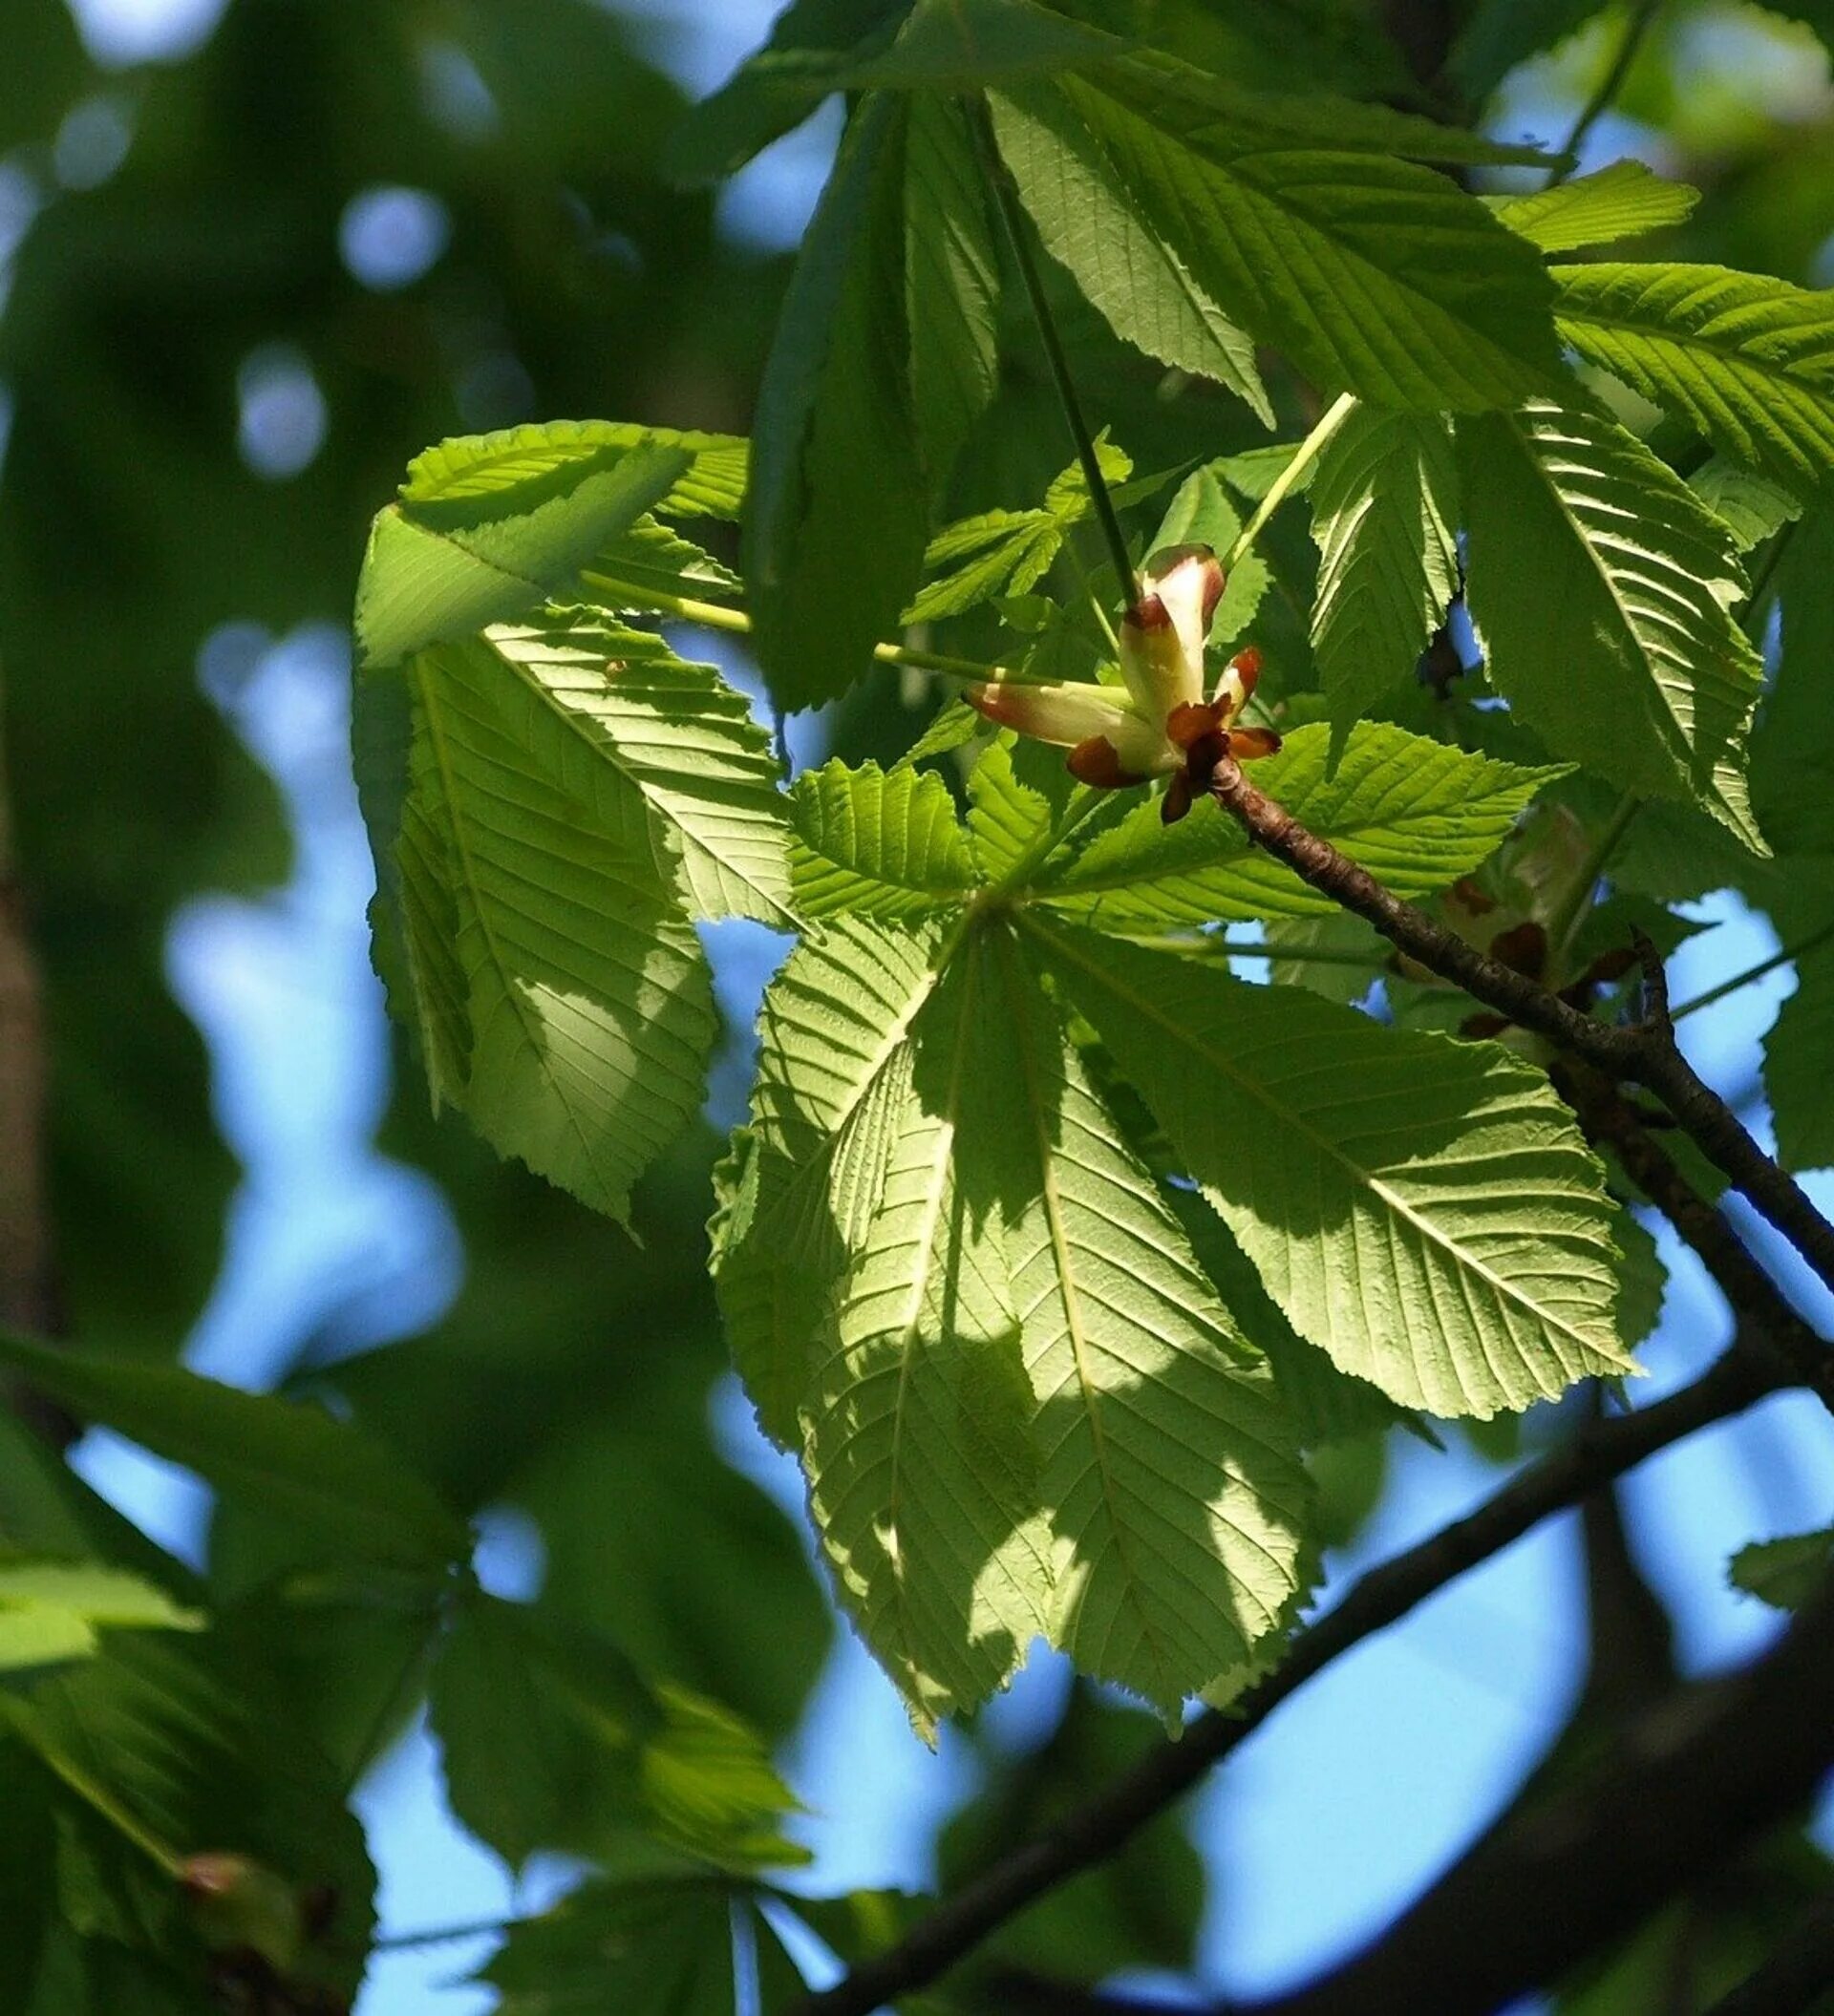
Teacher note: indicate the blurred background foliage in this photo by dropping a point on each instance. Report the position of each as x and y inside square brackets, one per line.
[243, 284]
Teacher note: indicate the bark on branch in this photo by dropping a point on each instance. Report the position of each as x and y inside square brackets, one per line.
[1646, 1052]
[1693, 1779]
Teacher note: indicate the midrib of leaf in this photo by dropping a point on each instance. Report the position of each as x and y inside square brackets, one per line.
[470, 553]
[1661, 677]
[1072, 1309]
[895, 1036]
[603, 747]
[945, 1146]
[1219, 1061]
[435, 733]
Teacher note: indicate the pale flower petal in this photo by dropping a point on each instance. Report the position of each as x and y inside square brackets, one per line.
[1161, 636]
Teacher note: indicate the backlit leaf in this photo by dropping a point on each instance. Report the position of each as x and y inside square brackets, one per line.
[1385, 513]
[1602, 587]
[1423, 1210]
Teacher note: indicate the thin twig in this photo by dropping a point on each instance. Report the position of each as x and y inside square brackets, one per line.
[1765, 967]
[1281, 488]
[1565, 922]
[1012, 214]
[1646, 1051]
[717, 616]
[1094, 1831]
[1609, 87]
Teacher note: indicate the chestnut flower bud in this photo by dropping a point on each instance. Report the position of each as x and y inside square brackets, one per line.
[1159, 724]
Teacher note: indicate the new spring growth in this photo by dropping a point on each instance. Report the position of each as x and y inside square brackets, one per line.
[1160, 724]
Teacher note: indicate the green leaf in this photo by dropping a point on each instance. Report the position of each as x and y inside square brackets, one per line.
[1498, 35]
[953, 725]
[1384, 511]
[1746, 360]
[170, 1745]
[1095, 226]
[837, 514]
[831, 1057]
[812, 44]
[641, 1945]
[1202, 515]
[344, 1490]
[447, 567]
[1373, 274]
[957, 45]
[1187, 92]
[1423, 1210]
[1643, 1281]
[1600, 588]
[1798, 1048]
[952, 280]
[1007, 553]
[524, 467]
[553, 1739]
[875, 843]
[1324, 1404]
[1623, 201]
[1752, 507]
[656, 733]
[1416, 813]
[1007, 818]
[649, 555]
[1788, 1573]
[1168, 1468]
[923, 1479]
[51, 1612]
[933, 1188]
[488, 526]
[1792, 748]
[563, 1000]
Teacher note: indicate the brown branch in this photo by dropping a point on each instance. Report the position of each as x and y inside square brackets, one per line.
[1692, 1780]
[1646, 1051]
[1597, 1454]
[1611, 1121]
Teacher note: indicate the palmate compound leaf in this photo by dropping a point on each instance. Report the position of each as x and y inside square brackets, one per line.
[1415, 812]
[1600, 588]
[1423, 1210]
[561, 997]
[1374, 274]
[1385, 513]
[940, 1260]
[1746, 360]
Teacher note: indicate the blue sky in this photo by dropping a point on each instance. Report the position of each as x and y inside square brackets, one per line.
[1352, 1796]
